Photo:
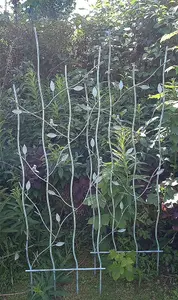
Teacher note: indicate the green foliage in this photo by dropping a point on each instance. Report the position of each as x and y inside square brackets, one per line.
[135, 31]
[44, 286]
[122, 265]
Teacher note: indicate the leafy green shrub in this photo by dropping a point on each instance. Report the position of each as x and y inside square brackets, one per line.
[122, 265]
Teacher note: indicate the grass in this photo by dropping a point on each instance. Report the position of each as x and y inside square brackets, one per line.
[150, 290]
[159, 289]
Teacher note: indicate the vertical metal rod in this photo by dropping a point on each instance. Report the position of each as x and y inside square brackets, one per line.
[45, 157]
[98, 165]
[135, 164]
[160, 159]
[72, 180]
[23, 187]
[110, 145]
[91, 170]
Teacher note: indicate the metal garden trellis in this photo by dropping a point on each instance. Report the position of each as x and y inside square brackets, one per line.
[94, 178]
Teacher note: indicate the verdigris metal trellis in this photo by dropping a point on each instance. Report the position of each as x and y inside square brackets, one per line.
[94, 178]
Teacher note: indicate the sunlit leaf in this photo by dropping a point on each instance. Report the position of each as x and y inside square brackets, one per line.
[168, 36]
[170, 68]
[156, 96]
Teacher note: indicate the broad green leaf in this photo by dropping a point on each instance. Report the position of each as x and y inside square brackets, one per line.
[152, 199]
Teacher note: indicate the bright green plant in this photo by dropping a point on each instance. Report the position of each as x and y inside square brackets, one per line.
[122, 265]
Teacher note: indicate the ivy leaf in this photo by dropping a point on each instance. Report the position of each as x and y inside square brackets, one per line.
[28, 185]
[94, 176]
[51, 122]
[64, 158]
[94, 92]
[115, 183]
[98, 179]
[17, 111]
[160, 172]
[121, 205]
[60, 244]
[51, 135]
[160, 89]
[52, 193]
[58, 218]
[144, 87]
[24, 149]
[129, 151]
[78, 88]
[121, 230]
[52, 86]
[92, 143]
[121, 85]
[16, 257]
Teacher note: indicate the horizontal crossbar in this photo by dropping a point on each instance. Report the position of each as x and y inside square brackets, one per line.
[139, 251]
[64, 270]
